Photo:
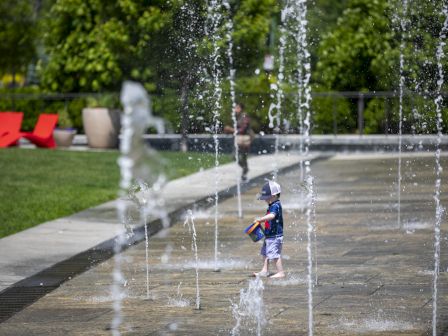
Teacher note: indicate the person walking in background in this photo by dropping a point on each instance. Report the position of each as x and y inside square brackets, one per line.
[244, 135]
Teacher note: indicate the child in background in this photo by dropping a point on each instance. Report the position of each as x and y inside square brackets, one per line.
[273, 229]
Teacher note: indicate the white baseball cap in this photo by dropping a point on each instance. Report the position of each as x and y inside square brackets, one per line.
[269, 189]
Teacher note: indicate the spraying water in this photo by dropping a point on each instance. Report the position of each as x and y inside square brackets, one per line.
[310, 230]
[277, 88]
[313, 220]
[215, 17]
[299, 97]
[178, 300]
[232, 71]
[135, 119]
[249, 312]
[303, 80]
[403, 26]
[189, 221]
[439, 208]
[191, 67]
[138, 194]
[274, 106]
[145, 223]
[118, 279]
[303, 74]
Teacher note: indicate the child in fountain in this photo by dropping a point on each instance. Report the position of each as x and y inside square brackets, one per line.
[273, 229]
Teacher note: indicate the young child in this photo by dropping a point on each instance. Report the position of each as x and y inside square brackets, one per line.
[273, 228]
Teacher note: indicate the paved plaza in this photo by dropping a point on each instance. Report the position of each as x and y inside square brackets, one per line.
[374, 275]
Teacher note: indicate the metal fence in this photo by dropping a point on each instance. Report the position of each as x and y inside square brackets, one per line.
[411, 101]
[415, 106]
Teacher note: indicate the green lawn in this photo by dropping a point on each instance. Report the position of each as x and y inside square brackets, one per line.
[37, 185]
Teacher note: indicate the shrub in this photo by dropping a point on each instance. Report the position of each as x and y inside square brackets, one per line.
[331, 111]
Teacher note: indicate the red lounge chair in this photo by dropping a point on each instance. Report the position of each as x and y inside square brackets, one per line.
[42, 135]
[10, 123]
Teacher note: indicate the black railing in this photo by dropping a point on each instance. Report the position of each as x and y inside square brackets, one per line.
[353, 104]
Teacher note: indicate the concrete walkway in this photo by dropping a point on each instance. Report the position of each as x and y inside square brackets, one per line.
[33, 250]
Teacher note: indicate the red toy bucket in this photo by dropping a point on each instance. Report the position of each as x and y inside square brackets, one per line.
[255, 231]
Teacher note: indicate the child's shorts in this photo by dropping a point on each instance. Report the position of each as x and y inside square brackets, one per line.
[272, 248]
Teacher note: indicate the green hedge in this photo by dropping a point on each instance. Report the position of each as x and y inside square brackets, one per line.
[332, 114]
[418, 115]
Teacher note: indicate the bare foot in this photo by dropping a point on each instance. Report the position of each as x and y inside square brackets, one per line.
[261, 274]
[278, 275]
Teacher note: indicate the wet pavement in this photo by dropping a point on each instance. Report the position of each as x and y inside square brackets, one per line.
[373, 276]
[26, 253]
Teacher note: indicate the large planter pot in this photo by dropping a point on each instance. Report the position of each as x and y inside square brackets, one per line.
[102, 126]
[64, 136]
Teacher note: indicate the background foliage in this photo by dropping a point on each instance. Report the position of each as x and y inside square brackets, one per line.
[79, 46]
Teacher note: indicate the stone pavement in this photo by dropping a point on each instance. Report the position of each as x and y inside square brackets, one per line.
[319, 142]
[33, 250]
[374, 278]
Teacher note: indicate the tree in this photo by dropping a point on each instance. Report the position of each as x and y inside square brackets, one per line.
[94, 44]
[363, 51]
[359, 54]
[253, 21]
[423, 22]
[322, 19]
[17, 36]
[420, 25]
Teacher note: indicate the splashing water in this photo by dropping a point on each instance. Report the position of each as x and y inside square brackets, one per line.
[118, 279]
[301, 46]
[403, 26]
[304, 104]
[232, 71]
[293, 280]
[135, 119]
[249, 312]
[313, 221]
[146, 199]
[418, 87]
[228, 264]
[178, 300]
[138, 194]
[189, 221]
[277, 94]
[310, 231]
[303, 75]
[145, 222]
[375, 325]
[214, 17]
[439, 208]
[189, 26]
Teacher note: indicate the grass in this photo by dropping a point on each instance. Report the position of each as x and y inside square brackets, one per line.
[39, 185]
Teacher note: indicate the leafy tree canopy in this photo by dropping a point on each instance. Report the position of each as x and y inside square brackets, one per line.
[363, 51]
[93, 44]
[17, 35]
[360, 52]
